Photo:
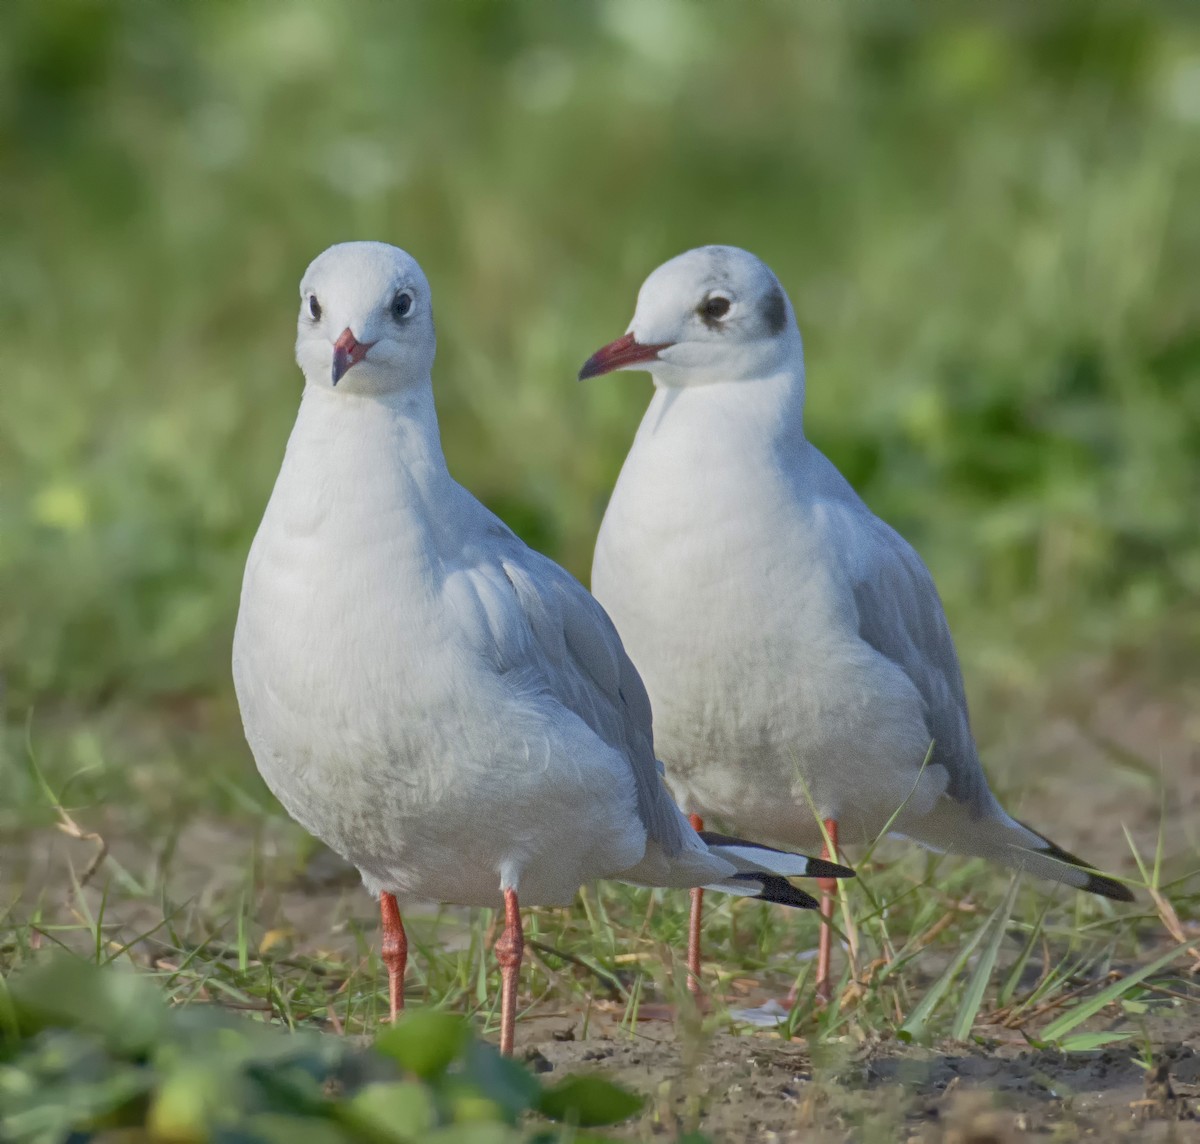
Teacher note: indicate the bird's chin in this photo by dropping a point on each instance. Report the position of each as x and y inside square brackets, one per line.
[674, 375]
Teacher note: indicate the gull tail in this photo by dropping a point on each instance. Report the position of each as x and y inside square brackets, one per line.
[1078, 873]
[731, 865]
[762, 872]
[1004, 839]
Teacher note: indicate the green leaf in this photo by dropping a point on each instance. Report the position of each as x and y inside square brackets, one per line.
[479, 1132]
[968, 1007]
[508, 1084]
[467, 1105]
[1056, 1030]
[425, 1041]
[287, 1087]
[187, 1103]
[589, 1101]
[65, 992]
[397, 1113]
[278, 1128]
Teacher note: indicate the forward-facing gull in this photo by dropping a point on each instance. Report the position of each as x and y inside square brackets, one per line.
[447, 709]
[793, 645]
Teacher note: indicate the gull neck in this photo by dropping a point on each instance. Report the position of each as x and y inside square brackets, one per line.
[766, 409]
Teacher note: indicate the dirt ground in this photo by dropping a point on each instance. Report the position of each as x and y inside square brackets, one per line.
[1105, 755]
[761, 1088]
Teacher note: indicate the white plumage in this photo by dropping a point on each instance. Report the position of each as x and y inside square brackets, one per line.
[793, 645]
[447, 709]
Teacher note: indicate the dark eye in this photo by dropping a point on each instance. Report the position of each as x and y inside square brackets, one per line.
[713, 308]
[402, 303]
[314, 308]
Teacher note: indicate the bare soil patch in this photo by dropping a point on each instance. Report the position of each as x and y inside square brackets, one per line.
[758, 1087]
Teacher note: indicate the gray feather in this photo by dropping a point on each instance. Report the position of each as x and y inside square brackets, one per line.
[900, 615]
[576, 655]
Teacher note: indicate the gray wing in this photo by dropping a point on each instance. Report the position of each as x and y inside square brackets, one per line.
[900, 615]
[573, 652]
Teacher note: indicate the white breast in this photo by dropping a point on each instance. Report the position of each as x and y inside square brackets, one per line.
[371, 714]
[726, 588]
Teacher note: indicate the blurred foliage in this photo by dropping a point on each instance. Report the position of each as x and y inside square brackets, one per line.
[984, 213]
[85, 1053]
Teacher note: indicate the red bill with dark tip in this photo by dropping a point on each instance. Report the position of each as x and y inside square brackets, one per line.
[623, 352]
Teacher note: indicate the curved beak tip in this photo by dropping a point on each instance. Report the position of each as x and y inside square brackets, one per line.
[625, 352]
[347, 351]
[593, 367]
[341, 363]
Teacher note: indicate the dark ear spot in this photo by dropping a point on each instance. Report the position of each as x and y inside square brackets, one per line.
[774, 311]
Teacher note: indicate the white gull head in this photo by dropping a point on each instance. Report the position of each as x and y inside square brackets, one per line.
[365, 323]
[713, 314]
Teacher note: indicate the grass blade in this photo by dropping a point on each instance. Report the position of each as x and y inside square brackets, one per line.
[968, 1008]
[1009, 988]
[1058, 1029]
[914, 1028]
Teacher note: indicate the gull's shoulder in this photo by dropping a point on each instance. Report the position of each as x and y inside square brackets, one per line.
[848, 530]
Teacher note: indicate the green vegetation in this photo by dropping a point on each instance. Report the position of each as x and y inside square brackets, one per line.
[95, 1052]
[985, 216]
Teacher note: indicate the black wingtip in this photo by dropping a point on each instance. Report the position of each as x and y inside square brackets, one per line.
[817, 867]
[1108, 888]
[779, 891]
[823, 868]
[1097, 883]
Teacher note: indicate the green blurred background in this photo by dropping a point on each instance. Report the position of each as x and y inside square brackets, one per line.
[985, 214]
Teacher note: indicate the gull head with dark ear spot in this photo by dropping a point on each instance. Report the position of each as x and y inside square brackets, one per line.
[713, 314]
[366, 321]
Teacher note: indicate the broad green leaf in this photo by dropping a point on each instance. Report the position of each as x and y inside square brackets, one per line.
[65, 992]
[499, 1079]
[479, 1132]
[425, 1041]
[398, 1113]
[279, 1128]
[588, 1101]
[187, 1103]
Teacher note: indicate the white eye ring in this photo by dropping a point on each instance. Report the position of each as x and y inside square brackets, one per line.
[714, 307]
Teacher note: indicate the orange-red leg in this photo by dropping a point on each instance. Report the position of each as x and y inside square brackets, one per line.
[510, 948]
[393, 950]
[693, 954]
[828, 890]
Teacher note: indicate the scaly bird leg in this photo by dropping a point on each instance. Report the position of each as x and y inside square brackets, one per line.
[394, 951]
[510, 948]
[829, 888]
[693, 954]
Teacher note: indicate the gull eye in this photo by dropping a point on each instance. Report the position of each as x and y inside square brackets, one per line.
[402, 304]
[713, 308]
[314, 308]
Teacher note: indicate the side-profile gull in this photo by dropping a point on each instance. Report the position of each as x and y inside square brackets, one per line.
[797, 657]
[444, 707]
